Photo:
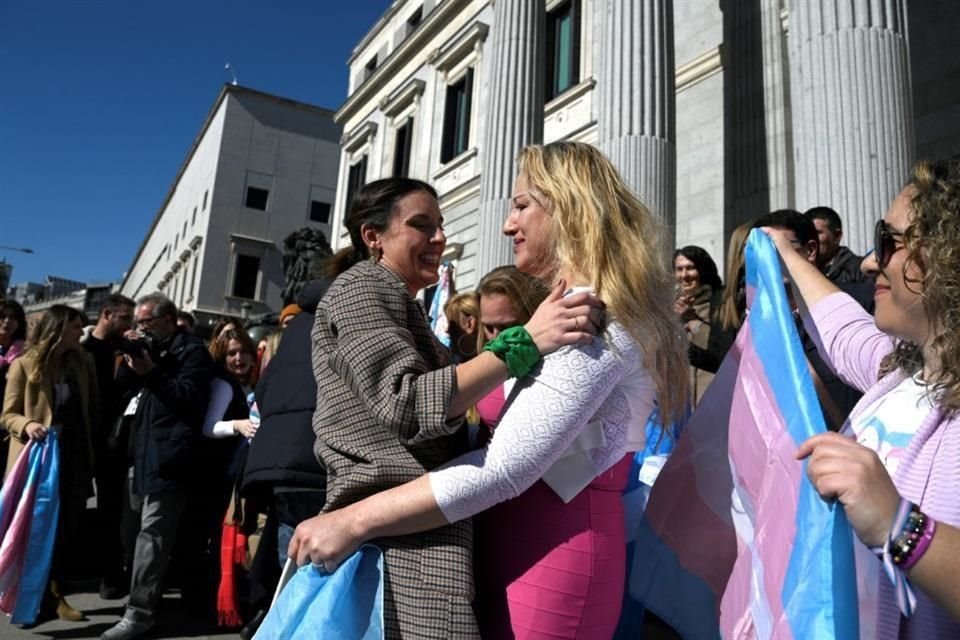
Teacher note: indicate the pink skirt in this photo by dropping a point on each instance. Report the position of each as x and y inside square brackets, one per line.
[549, 570]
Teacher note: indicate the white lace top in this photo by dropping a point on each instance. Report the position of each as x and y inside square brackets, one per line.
[575, 387]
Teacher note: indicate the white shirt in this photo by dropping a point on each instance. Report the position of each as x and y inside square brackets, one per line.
[888, 425]
[601, 389]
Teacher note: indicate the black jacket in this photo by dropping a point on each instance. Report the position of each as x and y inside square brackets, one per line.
[168, 424]
[282, 454]
[845, 268]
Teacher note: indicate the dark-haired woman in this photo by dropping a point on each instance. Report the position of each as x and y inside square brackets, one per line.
[53, 385]
[699, 292]
[393, 403]
[13, 332]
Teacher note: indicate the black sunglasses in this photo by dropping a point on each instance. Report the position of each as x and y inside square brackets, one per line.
[885, 243]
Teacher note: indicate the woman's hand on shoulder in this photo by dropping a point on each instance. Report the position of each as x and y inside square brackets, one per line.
[560, 321]
[326, 539]
[852, 474]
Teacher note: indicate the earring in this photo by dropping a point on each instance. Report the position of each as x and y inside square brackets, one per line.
[471, 344]
[375, 254]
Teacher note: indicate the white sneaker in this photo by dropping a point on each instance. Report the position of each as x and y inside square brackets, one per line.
[128, 628]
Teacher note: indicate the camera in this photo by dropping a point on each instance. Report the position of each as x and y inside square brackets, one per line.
[136, 346]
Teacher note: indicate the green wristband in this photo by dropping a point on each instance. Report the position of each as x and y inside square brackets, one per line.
[517, 350]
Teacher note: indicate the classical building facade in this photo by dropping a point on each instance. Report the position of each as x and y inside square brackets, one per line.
[260, 168]
[715, 111]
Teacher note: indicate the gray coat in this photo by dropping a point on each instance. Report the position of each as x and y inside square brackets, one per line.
[384, 384]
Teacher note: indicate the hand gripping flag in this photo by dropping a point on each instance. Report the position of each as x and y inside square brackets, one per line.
[344, 605]
[735, 542]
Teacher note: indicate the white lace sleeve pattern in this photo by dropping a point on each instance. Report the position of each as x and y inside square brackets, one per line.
[545, 414]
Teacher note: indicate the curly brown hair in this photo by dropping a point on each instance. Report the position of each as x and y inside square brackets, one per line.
[932, 242]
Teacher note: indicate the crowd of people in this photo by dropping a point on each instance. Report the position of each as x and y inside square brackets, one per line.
[490, 473]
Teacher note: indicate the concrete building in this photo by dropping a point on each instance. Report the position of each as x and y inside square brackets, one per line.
[53, 287]
[260, 168]
[87, 298]
[715, 112]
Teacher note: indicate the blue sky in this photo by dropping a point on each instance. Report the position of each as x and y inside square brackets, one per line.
[100, 101]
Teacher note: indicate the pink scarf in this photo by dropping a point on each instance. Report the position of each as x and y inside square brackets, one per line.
[12, 353]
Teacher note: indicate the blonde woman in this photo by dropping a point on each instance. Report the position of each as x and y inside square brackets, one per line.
[571, 422]
[733, 305]
[508, 297]
[463, 315]
[53, 385]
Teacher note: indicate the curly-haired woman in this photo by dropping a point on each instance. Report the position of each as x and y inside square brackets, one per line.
[899, 473]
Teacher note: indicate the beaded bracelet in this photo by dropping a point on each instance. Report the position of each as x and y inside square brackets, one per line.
[517, 350]
[909, 538]
[915, 539]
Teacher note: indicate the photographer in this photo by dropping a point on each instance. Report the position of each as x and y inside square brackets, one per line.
[174, 371]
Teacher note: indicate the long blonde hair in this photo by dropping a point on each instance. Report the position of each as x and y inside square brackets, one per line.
[601, 231]
[46, 338]
[732, 305]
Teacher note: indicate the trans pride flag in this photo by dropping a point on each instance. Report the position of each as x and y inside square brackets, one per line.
[29, 509]
[735, 542]
[438, 319]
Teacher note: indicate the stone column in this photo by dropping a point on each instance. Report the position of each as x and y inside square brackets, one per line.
[755, 111]
[636, 118]
[852, 114]
[776, 105]
[514, 118]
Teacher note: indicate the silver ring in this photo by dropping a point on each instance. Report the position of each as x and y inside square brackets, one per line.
[319, 566]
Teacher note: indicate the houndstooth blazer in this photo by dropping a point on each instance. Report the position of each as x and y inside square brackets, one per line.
[384, 384]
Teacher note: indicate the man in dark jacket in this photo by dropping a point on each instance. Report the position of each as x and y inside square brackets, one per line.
[173, 370]
[115, 319]
[838, 263]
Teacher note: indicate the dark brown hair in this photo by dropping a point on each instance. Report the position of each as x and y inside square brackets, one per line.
[373, 205]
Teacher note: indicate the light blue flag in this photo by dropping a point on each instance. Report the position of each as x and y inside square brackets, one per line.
[344, 605]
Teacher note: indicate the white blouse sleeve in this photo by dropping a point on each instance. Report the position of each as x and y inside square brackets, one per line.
[547, 412]
[220, 396]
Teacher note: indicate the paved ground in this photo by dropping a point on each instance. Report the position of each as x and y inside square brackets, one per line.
[102, 614]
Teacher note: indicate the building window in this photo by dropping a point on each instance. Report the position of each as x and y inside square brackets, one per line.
[356, 178]
[245, 277]
[205, 194]
[456, 118]
[415, 19]
[193, 275]
[319, 211]
[401, 149]
[257, 198]
[563, 48]
[369, 68]
[184, 230]
[193, 220]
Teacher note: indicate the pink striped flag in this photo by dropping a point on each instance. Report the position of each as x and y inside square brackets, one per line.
[735, 542]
